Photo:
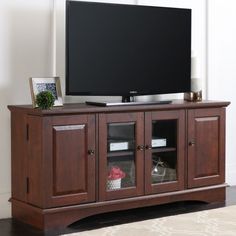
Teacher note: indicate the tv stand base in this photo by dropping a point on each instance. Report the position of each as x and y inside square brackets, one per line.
[109, 104]
[62, 217]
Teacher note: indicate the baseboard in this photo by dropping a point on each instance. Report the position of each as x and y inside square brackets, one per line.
[5, 206]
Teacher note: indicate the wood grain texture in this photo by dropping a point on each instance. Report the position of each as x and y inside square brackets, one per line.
[177, 116]
[69, 171]
[206, 157]
[19, 159]
[81, 108]
[35, 168]
[68, 183]
[57, 218]
[67, 164]
[138, 189]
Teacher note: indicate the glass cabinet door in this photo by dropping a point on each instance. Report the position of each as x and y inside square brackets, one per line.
[121, 155]
[164, 154]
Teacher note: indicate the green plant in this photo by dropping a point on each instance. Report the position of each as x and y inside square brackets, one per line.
[45, 99]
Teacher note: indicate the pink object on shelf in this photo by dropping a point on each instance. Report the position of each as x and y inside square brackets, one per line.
[115, 173]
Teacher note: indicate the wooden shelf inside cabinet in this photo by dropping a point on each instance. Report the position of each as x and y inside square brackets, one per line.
[165, 149]
[120, 153]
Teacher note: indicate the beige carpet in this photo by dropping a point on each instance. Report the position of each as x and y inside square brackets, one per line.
[216, 222]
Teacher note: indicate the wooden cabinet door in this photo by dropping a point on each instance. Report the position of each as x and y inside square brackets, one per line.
[165, 151]
[206, 147]
[121, 153]
[69, 159]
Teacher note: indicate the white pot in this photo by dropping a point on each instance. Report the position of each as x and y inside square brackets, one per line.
[114, 184]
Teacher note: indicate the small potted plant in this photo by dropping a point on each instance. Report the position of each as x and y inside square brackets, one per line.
[114, 178]
[45, 99]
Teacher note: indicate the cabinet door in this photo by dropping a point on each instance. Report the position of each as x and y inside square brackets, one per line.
[165, 151]
[121, 153]
[69, 160]
[206, 148]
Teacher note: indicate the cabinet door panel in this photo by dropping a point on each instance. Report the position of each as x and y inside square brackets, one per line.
[164, 155]
[205, 147]
[70, 169]
[120, 161]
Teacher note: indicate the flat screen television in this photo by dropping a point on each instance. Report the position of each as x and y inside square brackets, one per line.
[126, 50]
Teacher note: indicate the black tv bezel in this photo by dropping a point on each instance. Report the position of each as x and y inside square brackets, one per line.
[126, 93]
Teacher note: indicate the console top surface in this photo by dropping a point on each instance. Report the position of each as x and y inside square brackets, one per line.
[80, 108]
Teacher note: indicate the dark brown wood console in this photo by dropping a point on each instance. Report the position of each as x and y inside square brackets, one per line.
[79, 160]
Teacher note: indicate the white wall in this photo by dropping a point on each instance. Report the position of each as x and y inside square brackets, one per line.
[25, 46]
[222, 70]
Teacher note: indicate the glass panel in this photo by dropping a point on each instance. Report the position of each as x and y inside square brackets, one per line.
[121, 136]
[121, 156]
[121, 172]
[164, 151]
[164, 167]
[164, 133]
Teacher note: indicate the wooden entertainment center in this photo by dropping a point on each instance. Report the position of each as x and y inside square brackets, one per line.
[79, 160]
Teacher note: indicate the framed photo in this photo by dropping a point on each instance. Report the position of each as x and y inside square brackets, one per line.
[52, 84]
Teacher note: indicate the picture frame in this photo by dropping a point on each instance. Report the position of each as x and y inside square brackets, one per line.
[52, 84]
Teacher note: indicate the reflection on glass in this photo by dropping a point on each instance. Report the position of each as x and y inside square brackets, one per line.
[164, 133]
[121, 156]
[121, 172]
[164, 151]
[121, 136]
[163, 168]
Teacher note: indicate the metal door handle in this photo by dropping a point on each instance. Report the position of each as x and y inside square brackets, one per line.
[91, 152]
[191, 143]
[148, 147]
[140, 147]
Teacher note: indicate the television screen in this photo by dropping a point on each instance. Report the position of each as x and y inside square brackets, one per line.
[114, 49]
